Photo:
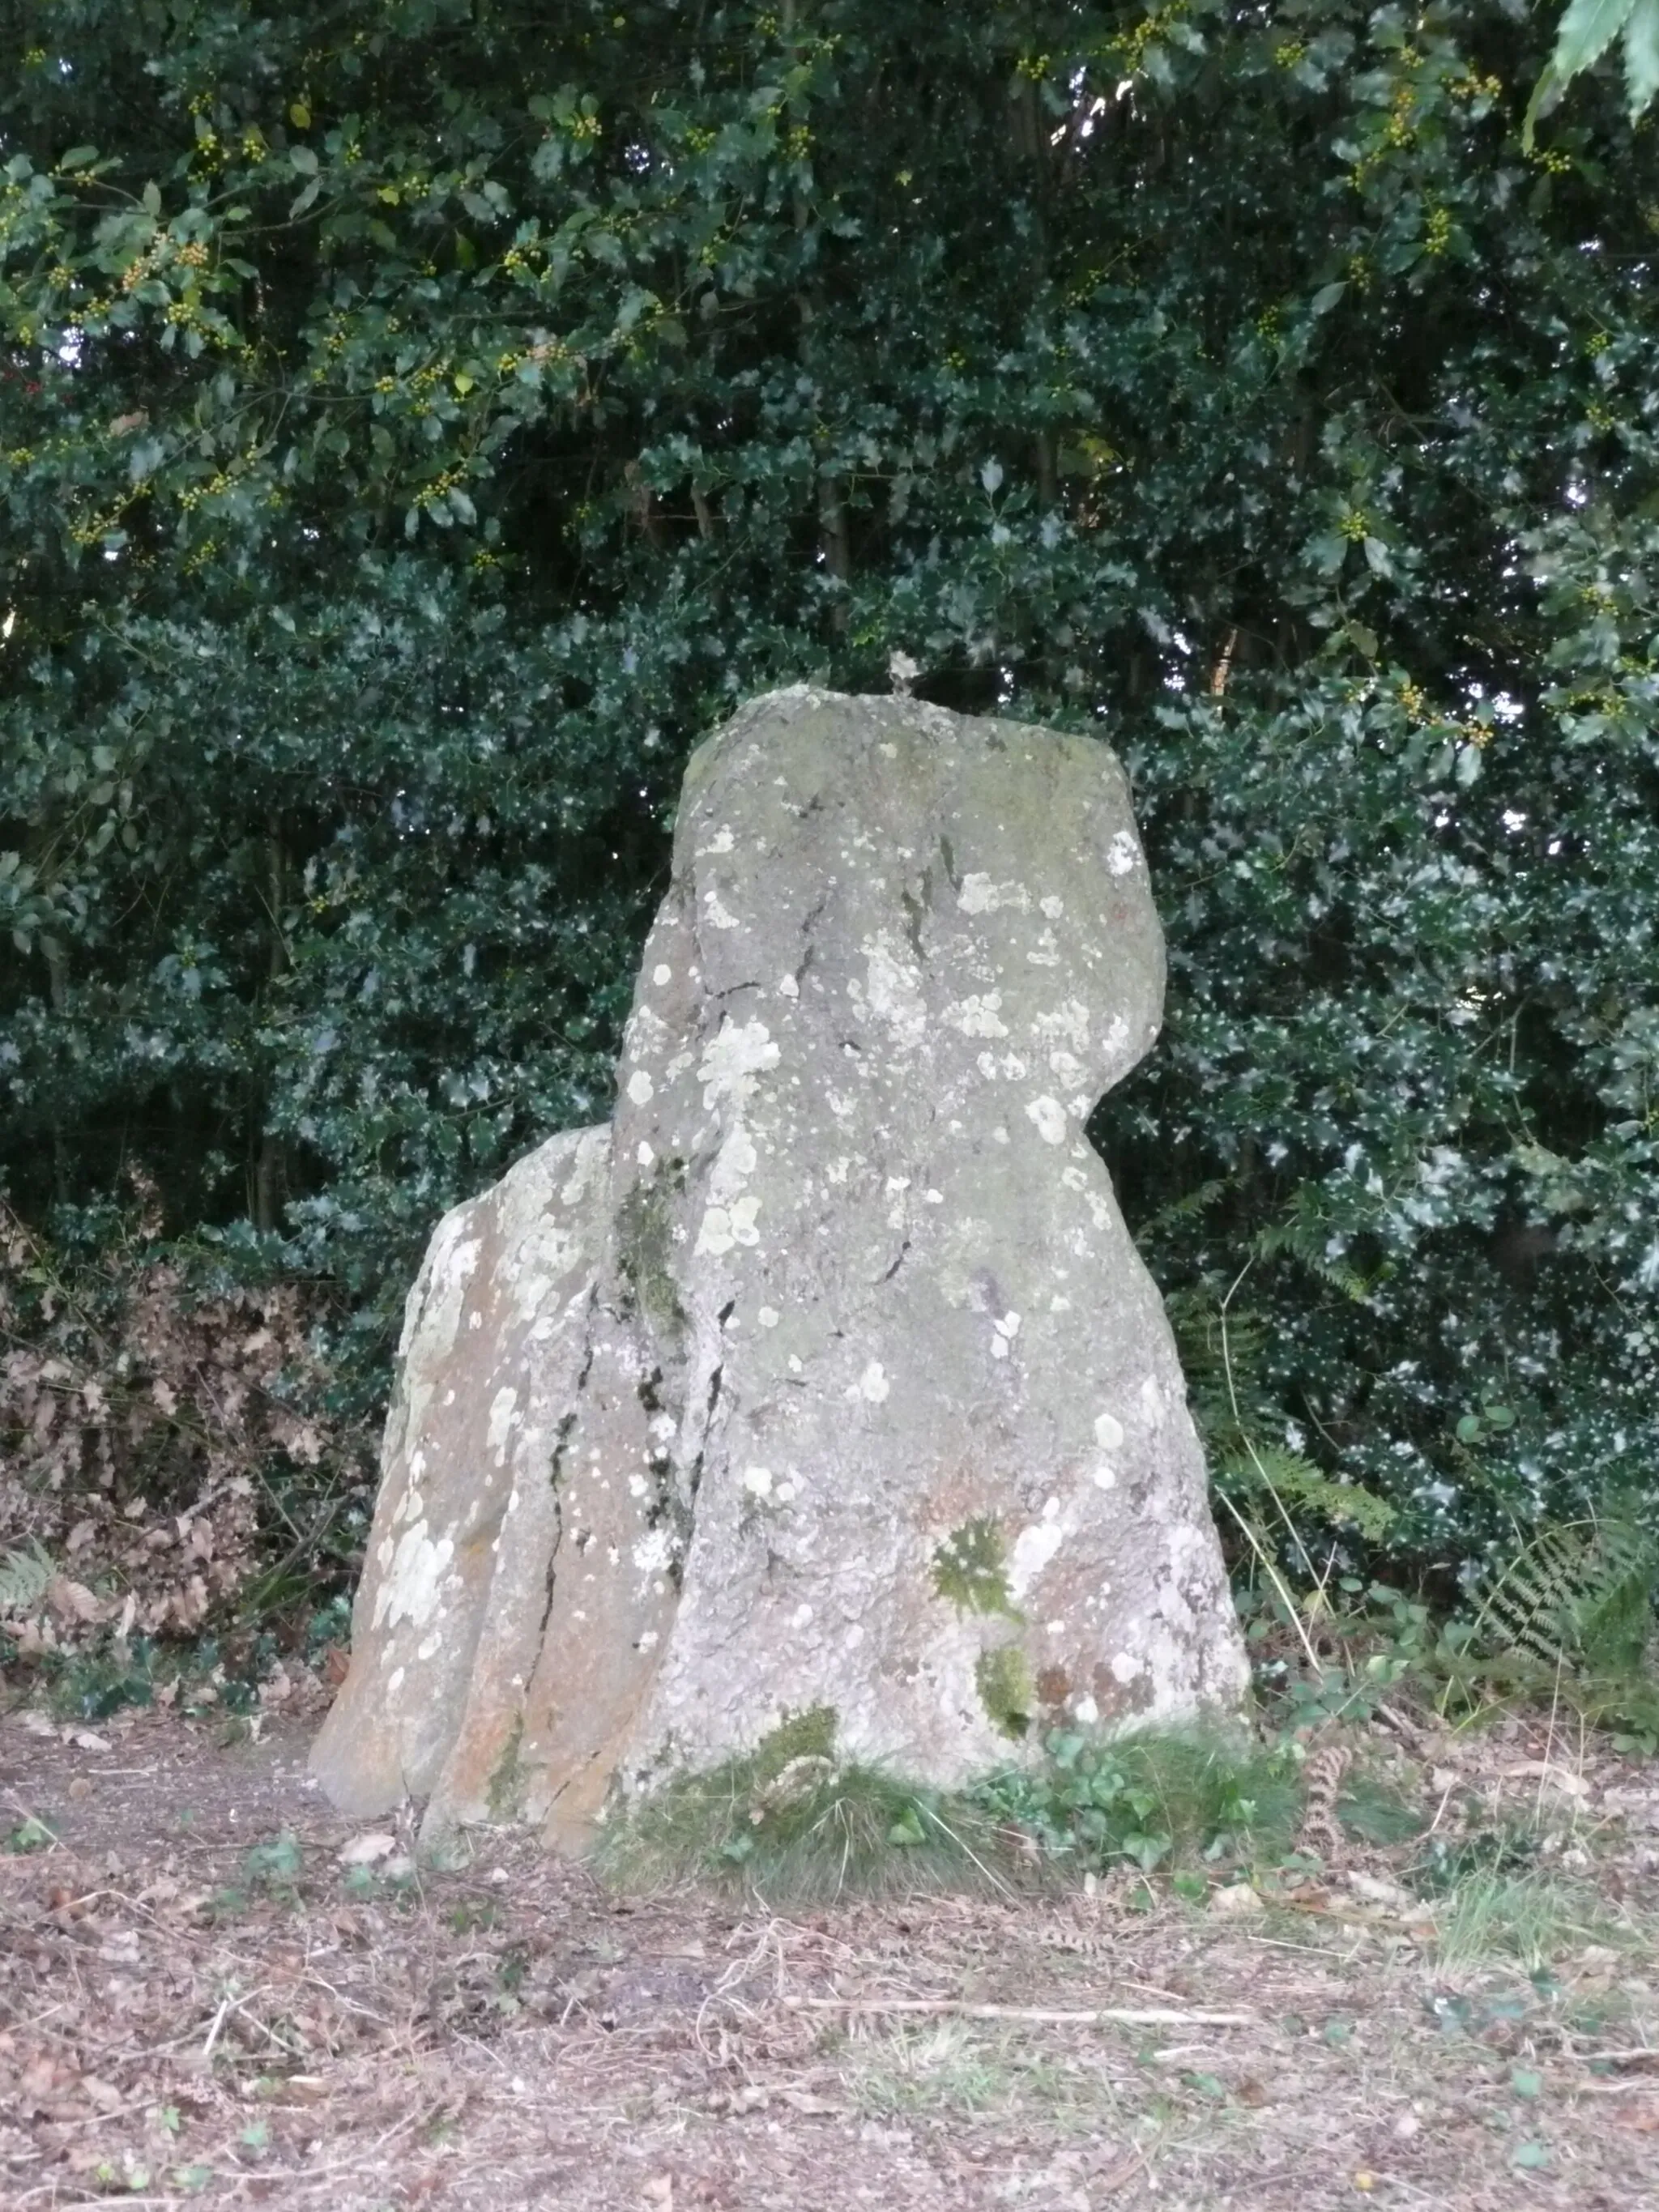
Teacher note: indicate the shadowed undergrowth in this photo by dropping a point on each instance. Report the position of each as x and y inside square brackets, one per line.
[810, 1826]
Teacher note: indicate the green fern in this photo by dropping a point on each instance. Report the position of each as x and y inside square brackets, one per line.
[1301, 1235]
[1295, 1481]
[1224, 1368]
[25, 1577]
[1579, 1595]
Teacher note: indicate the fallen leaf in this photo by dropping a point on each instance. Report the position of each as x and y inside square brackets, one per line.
[1644, 2118]
[1236, 1901]
[1544, 1770]
[369, 1849]
[1376, 1891]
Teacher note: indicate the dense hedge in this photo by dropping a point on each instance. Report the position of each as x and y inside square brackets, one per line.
[419, 425]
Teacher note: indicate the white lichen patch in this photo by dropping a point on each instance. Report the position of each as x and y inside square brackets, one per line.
[501, 1419]
[1124, 853]
[1048, 1117]
[757, 1481]
[978, 1016]
[646, 1032]
[641, 1088]
[1067, 1024]
[653, 1554]
[723, 1226]
[892, 991]
[734, 1060]
[872, 1386]
[981, 894]
[1108, 1431]
[413, 1584]
[734, 1163]
[1033, 1548]
[662, 974]
[767, 1316]
[720, 916]
[721, 841]
[1126, 1667]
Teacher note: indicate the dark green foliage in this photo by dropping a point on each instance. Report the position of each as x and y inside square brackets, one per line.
[418, 426]
[1151, 1798]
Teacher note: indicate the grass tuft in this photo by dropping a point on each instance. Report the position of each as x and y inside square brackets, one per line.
[807, 1832]
[810, 1826]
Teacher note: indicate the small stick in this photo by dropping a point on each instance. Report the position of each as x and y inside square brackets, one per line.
[1127, 2015]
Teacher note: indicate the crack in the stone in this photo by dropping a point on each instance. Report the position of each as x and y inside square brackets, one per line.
[903, 1251]
[555, 1465]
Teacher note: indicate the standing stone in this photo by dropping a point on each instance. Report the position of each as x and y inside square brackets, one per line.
[828, 1381]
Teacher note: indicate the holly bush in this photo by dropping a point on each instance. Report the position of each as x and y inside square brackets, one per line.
[419, 426]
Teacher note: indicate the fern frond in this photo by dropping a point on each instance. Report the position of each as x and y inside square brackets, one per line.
[1183, 1208]
[1579, 1593]
[24, 1578]
[1300, 1237]
[1297, 1481]
[1225, 1403]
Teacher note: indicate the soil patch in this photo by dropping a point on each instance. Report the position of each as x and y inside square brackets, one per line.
[203, 2001]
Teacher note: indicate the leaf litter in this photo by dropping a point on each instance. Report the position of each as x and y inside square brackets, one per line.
[214, 1991]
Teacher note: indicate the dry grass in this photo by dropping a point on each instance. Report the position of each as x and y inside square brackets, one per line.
[194, 2009]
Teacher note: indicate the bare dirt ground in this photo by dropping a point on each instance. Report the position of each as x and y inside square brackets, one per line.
[201, 2002]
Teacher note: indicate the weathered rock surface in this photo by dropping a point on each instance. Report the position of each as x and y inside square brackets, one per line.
[827, 1377]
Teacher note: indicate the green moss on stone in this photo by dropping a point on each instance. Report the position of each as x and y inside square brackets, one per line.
[645, 1243]
[969, 1569]
[1006, 1690]
[505, 1784]
[811, 1734]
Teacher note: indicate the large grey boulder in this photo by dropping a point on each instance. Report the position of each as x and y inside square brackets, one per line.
[826, 1381]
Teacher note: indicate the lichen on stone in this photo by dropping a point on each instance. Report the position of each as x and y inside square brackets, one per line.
[970, 1568]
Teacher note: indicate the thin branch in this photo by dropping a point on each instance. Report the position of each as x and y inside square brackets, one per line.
[1045, 2015]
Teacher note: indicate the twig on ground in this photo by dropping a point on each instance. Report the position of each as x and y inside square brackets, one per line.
[1043, 2016]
